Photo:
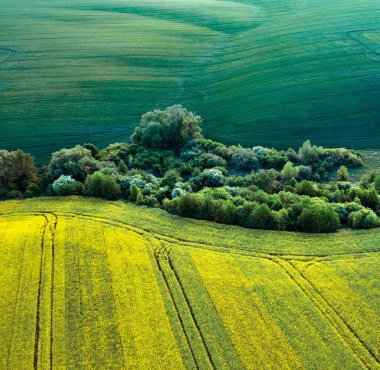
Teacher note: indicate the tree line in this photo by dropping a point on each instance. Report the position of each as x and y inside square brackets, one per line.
[169, 164]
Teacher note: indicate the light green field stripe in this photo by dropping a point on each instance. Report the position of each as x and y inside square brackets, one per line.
[315, 341]
[351, 287]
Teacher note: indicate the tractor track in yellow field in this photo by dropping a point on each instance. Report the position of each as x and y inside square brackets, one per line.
[162, 255]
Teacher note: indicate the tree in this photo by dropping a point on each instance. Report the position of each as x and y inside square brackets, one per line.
[377, 183]
[244, 159]
[308, 153]
[187, 205]
[263, 218]
[318, 218]
[76, 162]
[343, 174]
[370, 199]
[103, 186]
[134, 192]
[167, 129]
[212, 178]
[306, 188]
[363, 219]
[17, 170]
[289, 171]
[170, 178]
[66, 185]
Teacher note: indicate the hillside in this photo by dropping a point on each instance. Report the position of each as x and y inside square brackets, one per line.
[88, 283]
[262, 72]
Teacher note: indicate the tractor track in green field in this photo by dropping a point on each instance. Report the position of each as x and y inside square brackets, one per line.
[353, 36]
[11, 54]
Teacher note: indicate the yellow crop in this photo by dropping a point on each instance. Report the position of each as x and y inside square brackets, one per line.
[88, 284]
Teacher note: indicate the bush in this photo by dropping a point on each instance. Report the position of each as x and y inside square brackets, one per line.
[306, 188]
[167, 129]
[76, 162]
[363, 219]
[263, 218]
[308, 153]
[212, 178]
[17, 170]
[343, 174]
[66, 185]
[103, 186]
[370, 199]
[187, 205]
[377, 183]
[170, 178]
[244, 159]
[318, 218]
[289, 171]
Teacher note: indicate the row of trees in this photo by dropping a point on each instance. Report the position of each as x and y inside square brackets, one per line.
[169, 164]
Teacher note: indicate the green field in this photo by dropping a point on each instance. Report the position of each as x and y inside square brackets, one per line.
[260, 72]
[86, 283]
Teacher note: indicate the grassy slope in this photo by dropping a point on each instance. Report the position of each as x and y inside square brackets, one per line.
[109, 284]
[256, 70]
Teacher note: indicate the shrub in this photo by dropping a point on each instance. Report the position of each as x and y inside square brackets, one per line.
[306, 188]
[212, 178]
[17, 170]
[76, 162]
[244, 159]
[170, 178]
[167, 129]
[263, 218]
[370, 199]
[363, 219]
[289, 171]
[66, 185]
[308, 153]
[343, 174]
[103, 186]
[318, 218]
[187, 205]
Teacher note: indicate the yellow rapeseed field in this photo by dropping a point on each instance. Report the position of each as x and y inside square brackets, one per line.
[91, 284]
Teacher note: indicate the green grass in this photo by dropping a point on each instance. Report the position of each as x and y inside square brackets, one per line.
[87, 283]
[260, 72]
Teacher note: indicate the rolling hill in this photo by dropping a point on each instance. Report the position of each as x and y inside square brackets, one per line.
[261, 72]
[94, 284]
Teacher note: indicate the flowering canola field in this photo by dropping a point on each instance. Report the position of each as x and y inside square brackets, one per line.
[90, 284]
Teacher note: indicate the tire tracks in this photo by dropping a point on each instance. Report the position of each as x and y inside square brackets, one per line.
[342, 328]
[182, 305]
[11, 54]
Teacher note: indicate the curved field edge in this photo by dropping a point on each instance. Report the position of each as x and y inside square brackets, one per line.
[211, 295]
[343, 243]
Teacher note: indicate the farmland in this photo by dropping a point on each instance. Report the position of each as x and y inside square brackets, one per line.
[260, 72]
[87, 283]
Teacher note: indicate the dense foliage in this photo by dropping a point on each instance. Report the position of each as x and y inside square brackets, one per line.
[169, 164]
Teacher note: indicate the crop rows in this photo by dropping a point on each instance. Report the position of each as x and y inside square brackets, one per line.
[115, 295]
[88, 71]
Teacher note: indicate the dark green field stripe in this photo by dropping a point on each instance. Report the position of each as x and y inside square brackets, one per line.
[215, 336]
